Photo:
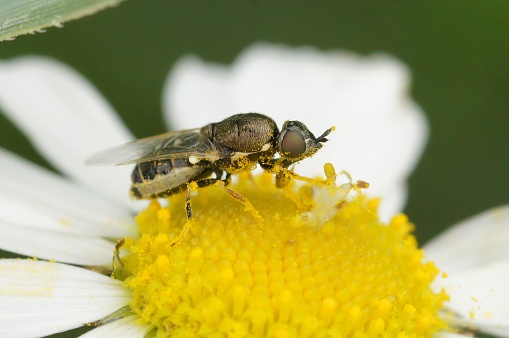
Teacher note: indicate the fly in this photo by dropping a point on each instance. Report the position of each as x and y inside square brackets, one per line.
[167, 164]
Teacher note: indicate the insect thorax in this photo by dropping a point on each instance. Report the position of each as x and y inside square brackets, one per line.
[244, 133]
[238, 163]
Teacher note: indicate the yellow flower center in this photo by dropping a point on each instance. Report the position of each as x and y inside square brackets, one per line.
[313, 262]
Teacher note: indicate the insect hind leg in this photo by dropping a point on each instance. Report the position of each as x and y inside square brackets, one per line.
[202, 184]
[189, 213]
[189, 210]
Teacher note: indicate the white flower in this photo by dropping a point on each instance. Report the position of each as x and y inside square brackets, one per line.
[475, 256]
[76, 217]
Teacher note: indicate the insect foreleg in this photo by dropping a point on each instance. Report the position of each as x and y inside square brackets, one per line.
[280, 168]
[283, 174]
[275, 165]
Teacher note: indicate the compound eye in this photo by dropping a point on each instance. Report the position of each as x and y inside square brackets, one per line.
[293, 144]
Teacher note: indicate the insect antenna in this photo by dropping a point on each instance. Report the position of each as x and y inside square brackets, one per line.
[322, 138]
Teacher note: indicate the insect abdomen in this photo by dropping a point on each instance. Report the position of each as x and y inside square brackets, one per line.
[146, 171]
[162, 178]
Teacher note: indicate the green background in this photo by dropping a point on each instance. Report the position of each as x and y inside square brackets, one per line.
[458, 52]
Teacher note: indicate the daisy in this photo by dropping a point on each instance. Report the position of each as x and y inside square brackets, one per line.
[39, 298]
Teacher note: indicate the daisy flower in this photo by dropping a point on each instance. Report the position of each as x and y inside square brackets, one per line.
[314, 260]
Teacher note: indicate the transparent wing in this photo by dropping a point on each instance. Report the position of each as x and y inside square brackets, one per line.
[173, 144]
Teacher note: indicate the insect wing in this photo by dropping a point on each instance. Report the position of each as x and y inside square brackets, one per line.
[173, 144]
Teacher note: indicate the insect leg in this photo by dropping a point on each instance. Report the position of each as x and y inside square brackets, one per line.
[280, 168]
[283, 174]
[116, 255]
[275, 165]
[211, 181]
[298, 177]
[189, 213]
[117, 262]
[189, 210]
[202, 184]
[222, 183]
[248, 206]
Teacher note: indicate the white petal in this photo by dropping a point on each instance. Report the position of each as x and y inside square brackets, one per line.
[125, 328]
[481, 293]
[212, 92]
[393, 201]
[66, 248]
[380, 131]
[65, 118]
[35, 197]
[450, 335]
[495, 330]
[40, 298]
[472, 243]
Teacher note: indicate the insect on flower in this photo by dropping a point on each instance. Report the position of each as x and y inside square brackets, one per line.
[169, 163]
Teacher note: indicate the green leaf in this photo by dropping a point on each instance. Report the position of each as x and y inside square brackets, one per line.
[19, 17]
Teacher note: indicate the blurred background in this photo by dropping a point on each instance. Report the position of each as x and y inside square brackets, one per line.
[458, 53]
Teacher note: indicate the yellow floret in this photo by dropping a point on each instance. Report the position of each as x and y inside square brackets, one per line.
[320, 264]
